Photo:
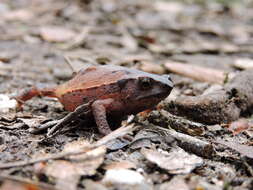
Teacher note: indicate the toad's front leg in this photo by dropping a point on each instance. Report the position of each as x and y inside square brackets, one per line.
[99, 109]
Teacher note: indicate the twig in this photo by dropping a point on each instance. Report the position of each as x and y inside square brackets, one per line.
[79, 39]
[248, 166]
[69, 63]
[37, 160]
[189, 143]
[198, 73]
[165, 119]
[120, 132]
[192, 144]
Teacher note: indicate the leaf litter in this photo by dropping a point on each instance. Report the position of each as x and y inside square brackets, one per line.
[211, 152]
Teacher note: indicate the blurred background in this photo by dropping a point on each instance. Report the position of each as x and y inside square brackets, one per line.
[38, 36]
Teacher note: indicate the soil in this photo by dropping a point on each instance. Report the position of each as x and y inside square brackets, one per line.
[37, 36]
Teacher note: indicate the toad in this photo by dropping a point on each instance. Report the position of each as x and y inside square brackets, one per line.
[106, 91]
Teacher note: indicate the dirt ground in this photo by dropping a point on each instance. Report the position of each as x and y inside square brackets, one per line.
[201, 137]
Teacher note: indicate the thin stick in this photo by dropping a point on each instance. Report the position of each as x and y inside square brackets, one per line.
[69, 63]
[115, 134]
[167, 120]
[195, 72]
[187, 142]
[37, 160]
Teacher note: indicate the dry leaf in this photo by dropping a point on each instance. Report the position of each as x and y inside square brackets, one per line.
[6, 104]
[18, 15]
[177, 182]
[228, 48]
[67, 173]
[244, 150]
[239, 126]
[243, 63]
[120, 165]
[77, 146]
[56, 34]
[211, 28]
[6, 57]
[123, 176]
[11, 185]
[79, 39]
[33, 122]
[93, 185]
[151, 67]
[128, 41]
[177, 161]
[170, 7]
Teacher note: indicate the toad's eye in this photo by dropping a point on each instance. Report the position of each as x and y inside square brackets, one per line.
[145, 83]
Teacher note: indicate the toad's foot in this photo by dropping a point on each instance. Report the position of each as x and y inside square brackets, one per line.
[57, 125]
[44, 126]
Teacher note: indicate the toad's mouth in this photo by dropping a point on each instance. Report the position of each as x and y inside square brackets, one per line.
[160, 95]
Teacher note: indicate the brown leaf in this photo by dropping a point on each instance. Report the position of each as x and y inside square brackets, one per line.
[11, 185]
[56, 34]
[239, 126]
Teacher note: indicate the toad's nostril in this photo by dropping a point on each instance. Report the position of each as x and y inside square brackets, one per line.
[167, 76]
[170, 81]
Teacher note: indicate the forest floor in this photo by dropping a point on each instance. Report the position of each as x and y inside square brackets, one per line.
[201, 137]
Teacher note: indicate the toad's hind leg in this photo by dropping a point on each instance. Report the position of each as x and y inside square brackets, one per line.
[29, 93]
[83, 109]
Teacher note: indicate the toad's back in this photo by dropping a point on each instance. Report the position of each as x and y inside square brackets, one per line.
[93, 76]
[92, 83]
